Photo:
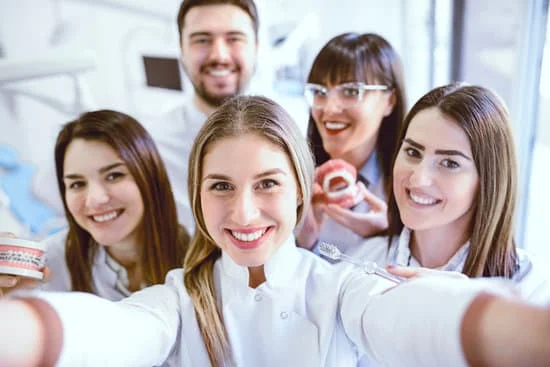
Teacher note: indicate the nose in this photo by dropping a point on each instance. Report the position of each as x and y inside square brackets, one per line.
[219, 51]
[333, 104]
[421, 175]
[96, 195]
[244, 208]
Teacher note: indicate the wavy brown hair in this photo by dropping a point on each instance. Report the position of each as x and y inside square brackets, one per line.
[485, 120]
[238, 116]
[370, 59]
[164, 241]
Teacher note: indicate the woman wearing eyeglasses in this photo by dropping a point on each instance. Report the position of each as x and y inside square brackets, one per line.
[356, 93]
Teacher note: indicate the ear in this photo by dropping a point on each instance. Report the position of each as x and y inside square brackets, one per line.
[391, 103]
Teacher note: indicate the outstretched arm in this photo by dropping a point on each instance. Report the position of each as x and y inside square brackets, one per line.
[503, 332]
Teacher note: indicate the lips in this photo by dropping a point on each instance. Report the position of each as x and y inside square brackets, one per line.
[247, 239]
[422, 199]
[106, 216]
[335, 127]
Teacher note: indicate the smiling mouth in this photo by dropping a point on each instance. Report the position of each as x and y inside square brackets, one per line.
[335, 127]
[107, 217]
[422, 200]
[248, 237]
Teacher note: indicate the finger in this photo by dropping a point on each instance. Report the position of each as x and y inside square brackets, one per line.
[339, 214]
[404, 272]
[7, 281]
[47, 274]
[8, 234]
[375, 203]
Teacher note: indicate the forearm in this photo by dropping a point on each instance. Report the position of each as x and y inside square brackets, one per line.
[503, 332]
[30, 334]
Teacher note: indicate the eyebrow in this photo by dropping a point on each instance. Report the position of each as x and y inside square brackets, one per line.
[209, 34]
[271, 172]
[437, 151]
[73, 176]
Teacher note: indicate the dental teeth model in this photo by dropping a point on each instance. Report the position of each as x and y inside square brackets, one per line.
[22, 257]
[338, 181]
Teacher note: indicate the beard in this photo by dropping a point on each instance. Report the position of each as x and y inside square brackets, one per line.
[214, 100]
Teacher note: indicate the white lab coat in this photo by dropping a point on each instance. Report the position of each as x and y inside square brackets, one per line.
[110, 279]
[174, 133]
[307, 313]
[532, 278]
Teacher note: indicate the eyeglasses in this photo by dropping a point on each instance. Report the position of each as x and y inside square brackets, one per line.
[347, 95]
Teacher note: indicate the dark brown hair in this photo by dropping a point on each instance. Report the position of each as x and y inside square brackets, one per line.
[367, 58]
[484, 118]
[164, 241]
[247, 5]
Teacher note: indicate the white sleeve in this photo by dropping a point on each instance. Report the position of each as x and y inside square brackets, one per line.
[416, 323]
[138, 331]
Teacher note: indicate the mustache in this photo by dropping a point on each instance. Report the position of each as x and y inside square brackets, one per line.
[216, 64]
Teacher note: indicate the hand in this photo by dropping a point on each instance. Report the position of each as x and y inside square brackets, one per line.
[409, 273]
[10, 283]
[311, 227]
[364, 224]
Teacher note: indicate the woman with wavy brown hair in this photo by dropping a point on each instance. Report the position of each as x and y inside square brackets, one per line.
[122, 231]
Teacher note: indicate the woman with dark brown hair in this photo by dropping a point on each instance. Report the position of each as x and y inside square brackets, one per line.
[356, 93]
[454, 192]
[123, 232]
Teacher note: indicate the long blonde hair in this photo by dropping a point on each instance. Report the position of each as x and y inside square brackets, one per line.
[239, 116]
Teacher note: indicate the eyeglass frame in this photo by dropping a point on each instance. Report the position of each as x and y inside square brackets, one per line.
[363, 87]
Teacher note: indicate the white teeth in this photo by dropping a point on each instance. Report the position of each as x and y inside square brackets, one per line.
[248, 237]
[422, 200]
[216, 72]
[105, 217]
[335, 125]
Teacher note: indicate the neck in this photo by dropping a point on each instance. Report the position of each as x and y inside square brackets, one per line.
[203, 106]
[359, 156]
[256, 276]
[434, 247]
[128, 254]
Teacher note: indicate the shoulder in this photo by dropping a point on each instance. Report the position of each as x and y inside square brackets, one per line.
[55, 244]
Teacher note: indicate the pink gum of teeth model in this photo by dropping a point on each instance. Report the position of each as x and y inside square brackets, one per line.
[338, 181]
[22, 257]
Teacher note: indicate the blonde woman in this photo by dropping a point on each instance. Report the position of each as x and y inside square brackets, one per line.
[249, 297]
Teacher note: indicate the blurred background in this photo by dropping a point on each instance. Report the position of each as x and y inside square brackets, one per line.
[59, 58]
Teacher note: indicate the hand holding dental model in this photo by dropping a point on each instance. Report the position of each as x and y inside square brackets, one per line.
[338, 180]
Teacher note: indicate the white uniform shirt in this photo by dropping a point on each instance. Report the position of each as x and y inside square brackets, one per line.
[307, 313]
[174, 134]
[110, 279]
[533, 281]
[343, 237]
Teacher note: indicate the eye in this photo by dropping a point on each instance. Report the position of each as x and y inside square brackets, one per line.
[267, 184]
[235, 39]
[201, 40]
[75, 185]
[351, 92]
[220, 186]
[449, 163]
[412, 152]
[112, 176]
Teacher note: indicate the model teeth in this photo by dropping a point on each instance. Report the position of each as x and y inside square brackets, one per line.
[222, 72]
[422, 200]
[335, 125]
[248, 237]
[105, 217]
